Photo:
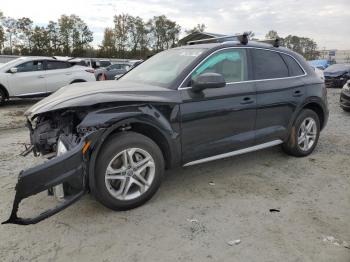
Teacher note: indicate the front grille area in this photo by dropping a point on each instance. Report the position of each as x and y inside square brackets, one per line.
[335, 82]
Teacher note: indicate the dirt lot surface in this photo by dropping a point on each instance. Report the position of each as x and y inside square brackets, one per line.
[199, 209]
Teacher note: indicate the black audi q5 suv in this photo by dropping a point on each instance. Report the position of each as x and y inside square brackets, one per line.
[184, 106]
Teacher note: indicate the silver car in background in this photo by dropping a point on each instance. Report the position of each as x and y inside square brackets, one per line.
[39, 76]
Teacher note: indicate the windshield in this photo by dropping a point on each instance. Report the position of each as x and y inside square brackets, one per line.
[12, 63]
[163, 68]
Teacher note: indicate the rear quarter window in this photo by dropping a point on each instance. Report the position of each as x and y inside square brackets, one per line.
[268, 65]
[293, 66]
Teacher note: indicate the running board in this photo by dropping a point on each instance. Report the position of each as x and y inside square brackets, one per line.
[235, 153]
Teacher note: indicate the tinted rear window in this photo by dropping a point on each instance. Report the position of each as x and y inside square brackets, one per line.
[294, 68]
[268, 65]
[52, 65]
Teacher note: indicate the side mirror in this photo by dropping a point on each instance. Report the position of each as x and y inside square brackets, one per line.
[208, 80]
[13, 70]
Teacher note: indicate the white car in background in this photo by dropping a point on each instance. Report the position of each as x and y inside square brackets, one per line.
[39, 76]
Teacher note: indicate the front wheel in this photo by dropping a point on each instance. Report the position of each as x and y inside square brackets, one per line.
[2, 97]
[128, 172]
[304, 135]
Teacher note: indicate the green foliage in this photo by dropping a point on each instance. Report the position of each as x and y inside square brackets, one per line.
[198, 28]
[132, 37]
[68, 36]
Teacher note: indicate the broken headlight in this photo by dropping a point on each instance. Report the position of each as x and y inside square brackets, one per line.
[61, 148]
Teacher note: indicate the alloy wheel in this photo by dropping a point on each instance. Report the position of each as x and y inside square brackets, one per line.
[307, 134]
[130, 174]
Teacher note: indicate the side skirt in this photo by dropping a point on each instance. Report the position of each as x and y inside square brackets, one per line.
[235, 153]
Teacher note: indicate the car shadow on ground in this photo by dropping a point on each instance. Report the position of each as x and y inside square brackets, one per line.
[21, 102]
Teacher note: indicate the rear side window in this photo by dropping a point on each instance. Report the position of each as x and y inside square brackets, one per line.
[52, 65]
[231, 64]
[268, 65]
[294, 68]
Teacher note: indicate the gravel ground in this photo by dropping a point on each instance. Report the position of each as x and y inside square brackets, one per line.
[199, 211]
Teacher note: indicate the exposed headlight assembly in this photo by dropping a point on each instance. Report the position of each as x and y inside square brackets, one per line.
[58, 190]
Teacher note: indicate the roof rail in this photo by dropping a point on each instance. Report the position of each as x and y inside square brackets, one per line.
[273, 42]
[242, 38]
[220, 39]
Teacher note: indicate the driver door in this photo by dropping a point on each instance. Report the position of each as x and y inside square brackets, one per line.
[29, 80]
[219, 120]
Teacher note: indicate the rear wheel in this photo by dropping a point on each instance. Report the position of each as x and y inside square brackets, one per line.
[304, 135]
[346, 109]
[129, 171]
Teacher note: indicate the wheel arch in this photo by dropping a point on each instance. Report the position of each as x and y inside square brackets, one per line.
[149, 129]
[317, 108]
[3, 88]
[77, 81]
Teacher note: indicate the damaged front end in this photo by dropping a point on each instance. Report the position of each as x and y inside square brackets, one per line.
[64, 174]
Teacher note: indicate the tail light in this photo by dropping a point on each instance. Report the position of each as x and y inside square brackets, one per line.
[90, 70]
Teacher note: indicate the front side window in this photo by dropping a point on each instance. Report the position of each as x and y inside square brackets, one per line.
[268, 65]
[30, 66]
[231, 64]
[52, 65]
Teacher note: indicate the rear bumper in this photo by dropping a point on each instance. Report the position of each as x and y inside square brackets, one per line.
[61, 169]
[345, 99]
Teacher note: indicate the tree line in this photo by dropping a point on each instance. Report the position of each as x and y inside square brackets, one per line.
[128, 37]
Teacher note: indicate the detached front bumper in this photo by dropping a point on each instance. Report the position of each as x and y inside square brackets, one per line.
[70, 166]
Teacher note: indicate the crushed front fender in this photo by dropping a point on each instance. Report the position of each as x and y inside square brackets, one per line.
[58, 170]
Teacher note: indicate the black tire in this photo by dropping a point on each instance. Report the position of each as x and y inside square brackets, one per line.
[346, 109]
[115, 144]
[2, 97]
[292, 147]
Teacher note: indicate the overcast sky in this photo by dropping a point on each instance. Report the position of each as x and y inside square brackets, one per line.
[325, 21]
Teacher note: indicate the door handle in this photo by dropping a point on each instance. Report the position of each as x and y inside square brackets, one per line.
[41, 76]
[68, 74]
[297, 93]
[247, 100]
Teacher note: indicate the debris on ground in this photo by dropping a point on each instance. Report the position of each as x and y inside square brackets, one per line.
[336, 242]
[234, 242]
[196, 228]
[275, 210]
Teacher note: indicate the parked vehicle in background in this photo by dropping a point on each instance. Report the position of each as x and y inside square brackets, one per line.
[110, 72]
[104, 63]
[321, 64]
[345, 97]
[182, 107]
[39, 76]
[337, 75]
[134, 64]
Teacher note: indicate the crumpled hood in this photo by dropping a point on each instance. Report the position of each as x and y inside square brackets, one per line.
[92, 93]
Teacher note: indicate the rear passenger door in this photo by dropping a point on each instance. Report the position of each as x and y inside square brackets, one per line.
[280, 88]
[57, 74]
